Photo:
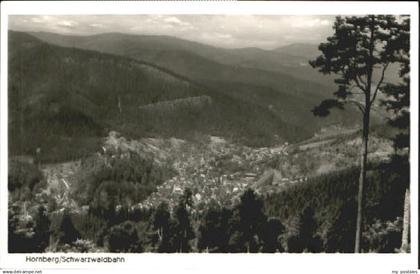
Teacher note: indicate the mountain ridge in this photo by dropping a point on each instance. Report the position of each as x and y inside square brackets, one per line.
[58, 95]
[144, 46]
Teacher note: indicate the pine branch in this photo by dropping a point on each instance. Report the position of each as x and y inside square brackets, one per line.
[358, 104]
[363, 88]
[379, 84]
[361, 80]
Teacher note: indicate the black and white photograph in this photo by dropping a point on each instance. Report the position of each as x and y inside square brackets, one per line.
[209, 133]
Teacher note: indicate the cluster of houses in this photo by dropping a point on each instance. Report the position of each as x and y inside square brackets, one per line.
[220, 173]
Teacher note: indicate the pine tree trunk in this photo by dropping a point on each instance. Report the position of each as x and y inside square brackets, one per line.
[362, 179]
[406, 223]
[365, 138]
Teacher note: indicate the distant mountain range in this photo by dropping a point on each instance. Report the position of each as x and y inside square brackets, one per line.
[291, 59]
[66, 92]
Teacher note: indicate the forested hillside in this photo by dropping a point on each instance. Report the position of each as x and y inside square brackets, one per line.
[61, 96]
[313, 216]
[149, 47]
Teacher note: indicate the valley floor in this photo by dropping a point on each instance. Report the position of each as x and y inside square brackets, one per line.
[218, 171]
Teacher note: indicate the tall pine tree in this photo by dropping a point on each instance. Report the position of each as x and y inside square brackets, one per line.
[356, 51]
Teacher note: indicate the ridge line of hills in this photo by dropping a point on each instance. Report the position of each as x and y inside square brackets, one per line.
[65, 97]
[301, 46]
[145, 47]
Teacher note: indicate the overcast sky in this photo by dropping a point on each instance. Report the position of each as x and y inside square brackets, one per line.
[232, 31]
